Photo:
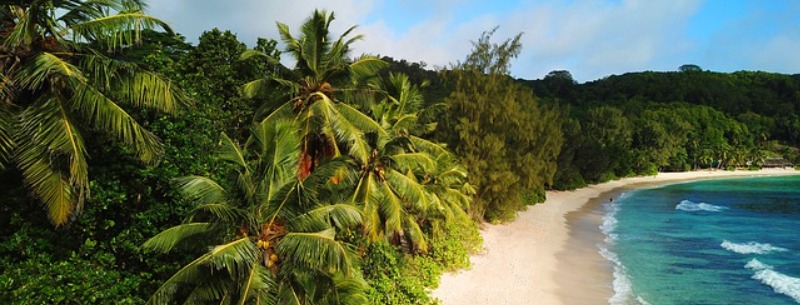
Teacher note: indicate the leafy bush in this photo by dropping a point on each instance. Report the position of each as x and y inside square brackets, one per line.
[607, 176]
[535, 196]
[83, 280]
[396, 278]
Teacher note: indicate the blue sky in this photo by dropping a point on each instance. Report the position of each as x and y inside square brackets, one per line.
[592, 39]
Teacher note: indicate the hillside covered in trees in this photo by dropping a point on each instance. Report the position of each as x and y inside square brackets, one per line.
[138, 168]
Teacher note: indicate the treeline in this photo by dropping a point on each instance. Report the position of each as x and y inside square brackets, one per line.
[642, 123]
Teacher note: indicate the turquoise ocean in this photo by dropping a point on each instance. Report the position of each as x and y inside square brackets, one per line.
[714, 242]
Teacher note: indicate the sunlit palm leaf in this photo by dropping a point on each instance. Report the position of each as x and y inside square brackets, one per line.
[39, 71]
[407, 188]
[116, 31]
[150, 90]
[366, 66]
[415, 234]
[340, 215]
[52, 158]
[229, 151]
[317, 250]
[410, 161]
[50, 186]
[234, 256]
[277, 146]
[169, 238]
[202, 190]
[427, 146]
[391, 209]
[111, 118]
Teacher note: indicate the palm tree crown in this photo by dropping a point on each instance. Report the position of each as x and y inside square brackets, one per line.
[320, 89]
[270, 237]
[60, 79]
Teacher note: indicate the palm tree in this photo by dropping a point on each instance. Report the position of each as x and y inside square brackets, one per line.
[319, 88]
[407, 181]
[451, 194]
[402, 104]
[389, 193]
[270, 238]
[60, 80]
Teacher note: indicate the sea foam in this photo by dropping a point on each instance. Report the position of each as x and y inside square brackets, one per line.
[623, 288]
[750, 248]
[779, 282]
[610, 222]
[689, 206]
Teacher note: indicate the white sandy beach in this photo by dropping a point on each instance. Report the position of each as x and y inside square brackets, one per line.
[523, 262]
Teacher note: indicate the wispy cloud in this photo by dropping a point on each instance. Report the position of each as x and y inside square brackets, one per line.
[591, 38]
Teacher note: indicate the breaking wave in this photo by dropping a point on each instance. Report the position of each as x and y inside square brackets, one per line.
[750, 248]
[779, 282]
[689, 206]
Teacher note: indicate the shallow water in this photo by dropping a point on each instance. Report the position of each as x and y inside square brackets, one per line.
[729, 241]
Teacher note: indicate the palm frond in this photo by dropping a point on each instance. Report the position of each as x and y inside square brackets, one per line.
[201, 190]
[405, 122]
[43, 68]
[7, 143]
[392, 211]
[116, 31]
[229, 151]
[234, 256]
[283, 112]
[167, 240]
[256, 285]
[214, 289]
[150, 90]
[359, 119]
[52, 158]
[350, 125]
[316, 250]
[339, 215]
[409, 189]
[411, 161]
[415, 233]
[427, 146]
[277, 146]
[50, 186]
[192, 272]
[288, 296]
[24, 31]
[111, 118]
[366, 66]
[247, 54]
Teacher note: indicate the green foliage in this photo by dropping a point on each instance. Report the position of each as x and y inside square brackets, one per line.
[498, 130]
[100, 249]
[60, 90]
[92, 280]
[213, 73]
[397, 278]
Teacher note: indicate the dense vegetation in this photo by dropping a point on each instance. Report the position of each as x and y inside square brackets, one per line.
[170, 172]
[642, 123]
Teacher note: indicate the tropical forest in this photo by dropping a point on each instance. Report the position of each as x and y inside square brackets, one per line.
[137, 167]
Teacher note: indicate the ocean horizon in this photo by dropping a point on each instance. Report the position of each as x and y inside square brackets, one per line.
[724, 241]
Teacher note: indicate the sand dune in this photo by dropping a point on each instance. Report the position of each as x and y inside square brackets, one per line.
[534, 259]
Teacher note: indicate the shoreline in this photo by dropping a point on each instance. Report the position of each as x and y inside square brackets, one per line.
[549, 255]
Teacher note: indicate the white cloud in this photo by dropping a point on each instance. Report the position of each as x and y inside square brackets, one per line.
[250, 19]
[592, 39]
